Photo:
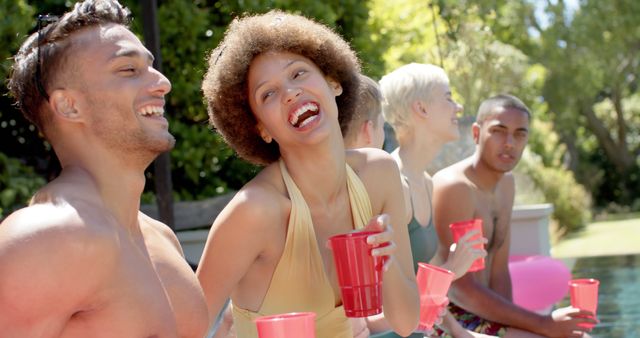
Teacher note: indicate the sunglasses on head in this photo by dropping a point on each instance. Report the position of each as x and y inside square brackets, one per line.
[43, 20]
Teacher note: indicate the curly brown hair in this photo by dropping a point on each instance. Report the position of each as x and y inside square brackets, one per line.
[52, 48]
[225, 83]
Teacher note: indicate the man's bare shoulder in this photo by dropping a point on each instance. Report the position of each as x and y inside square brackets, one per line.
[453, 179]
[49, 255]
[454, 195]
[373, 166]
[47, 222]
[380, 175]
[370, 161]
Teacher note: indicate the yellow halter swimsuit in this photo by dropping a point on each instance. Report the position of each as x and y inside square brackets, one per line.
[299, 282]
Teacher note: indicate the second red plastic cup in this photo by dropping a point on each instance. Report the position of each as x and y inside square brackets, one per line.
[430, 308]
[359, 273]
[459, 229]
[584, 296]
[287, 325]
[433, 285]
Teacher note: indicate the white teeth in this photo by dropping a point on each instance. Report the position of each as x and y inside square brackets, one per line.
[304, 108]
[307, 121]
[151, 111]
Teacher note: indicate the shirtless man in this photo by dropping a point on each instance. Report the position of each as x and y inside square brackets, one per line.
[81, 260]
[482, 186]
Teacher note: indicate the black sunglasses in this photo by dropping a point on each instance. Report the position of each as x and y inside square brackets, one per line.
[43, 20]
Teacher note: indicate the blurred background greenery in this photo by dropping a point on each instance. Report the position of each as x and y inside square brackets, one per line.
[576, 64]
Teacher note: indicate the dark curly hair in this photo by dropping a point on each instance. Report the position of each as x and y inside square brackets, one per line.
[225, 83]
[54, 45]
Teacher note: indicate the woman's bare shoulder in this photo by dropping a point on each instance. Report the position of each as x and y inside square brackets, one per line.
[260, 203]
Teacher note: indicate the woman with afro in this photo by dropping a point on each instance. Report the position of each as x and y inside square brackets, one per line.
[280, 89]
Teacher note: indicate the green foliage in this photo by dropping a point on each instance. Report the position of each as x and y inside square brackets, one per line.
[479, 66]
[593, 64]
[412, 41]
[11, 28]
[15, 131]
[543, 164]
[206, 165]
[17, 184]
[545, 143]
[571, 202]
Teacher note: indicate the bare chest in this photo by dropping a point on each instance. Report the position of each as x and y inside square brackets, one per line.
[152, 292]
[494, 212]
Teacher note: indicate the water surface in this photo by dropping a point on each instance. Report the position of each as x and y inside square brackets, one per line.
[619, 296]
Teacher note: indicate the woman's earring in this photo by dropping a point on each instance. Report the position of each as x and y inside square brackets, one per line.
[264, 134]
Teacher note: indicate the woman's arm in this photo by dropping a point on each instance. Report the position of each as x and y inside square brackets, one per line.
[236, 240]
[400, 293]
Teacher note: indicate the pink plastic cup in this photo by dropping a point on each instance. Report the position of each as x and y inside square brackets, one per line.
[433, 285]
[584, 296]
[433, 280]
[359, 273]
[430, 308]
[287, 325]
[459, 229]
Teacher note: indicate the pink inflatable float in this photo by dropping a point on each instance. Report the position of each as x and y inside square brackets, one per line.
[538, 282]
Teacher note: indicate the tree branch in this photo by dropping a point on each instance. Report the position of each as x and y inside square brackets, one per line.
[621, 123]
[620, 158]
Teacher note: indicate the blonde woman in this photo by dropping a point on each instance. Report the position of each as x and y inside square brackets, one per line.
[418, 104]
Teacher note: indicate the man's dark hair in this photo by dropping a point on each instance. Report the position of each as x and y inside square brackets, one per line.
[488, 106]
[44, 54]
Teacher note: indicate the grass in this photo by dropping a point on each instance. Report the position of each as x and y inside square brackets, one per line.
[605, 238]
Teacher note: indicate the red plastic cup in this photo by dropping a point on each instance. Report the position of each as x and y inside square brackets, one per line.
[433, 285]
[433, 280]
[359, 273]
[430, 307]
[584, 296]
[287, 325]
[459, 229]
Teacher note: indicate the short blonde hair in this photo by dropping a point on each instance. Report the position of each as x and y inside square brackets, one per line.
[405, 85]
